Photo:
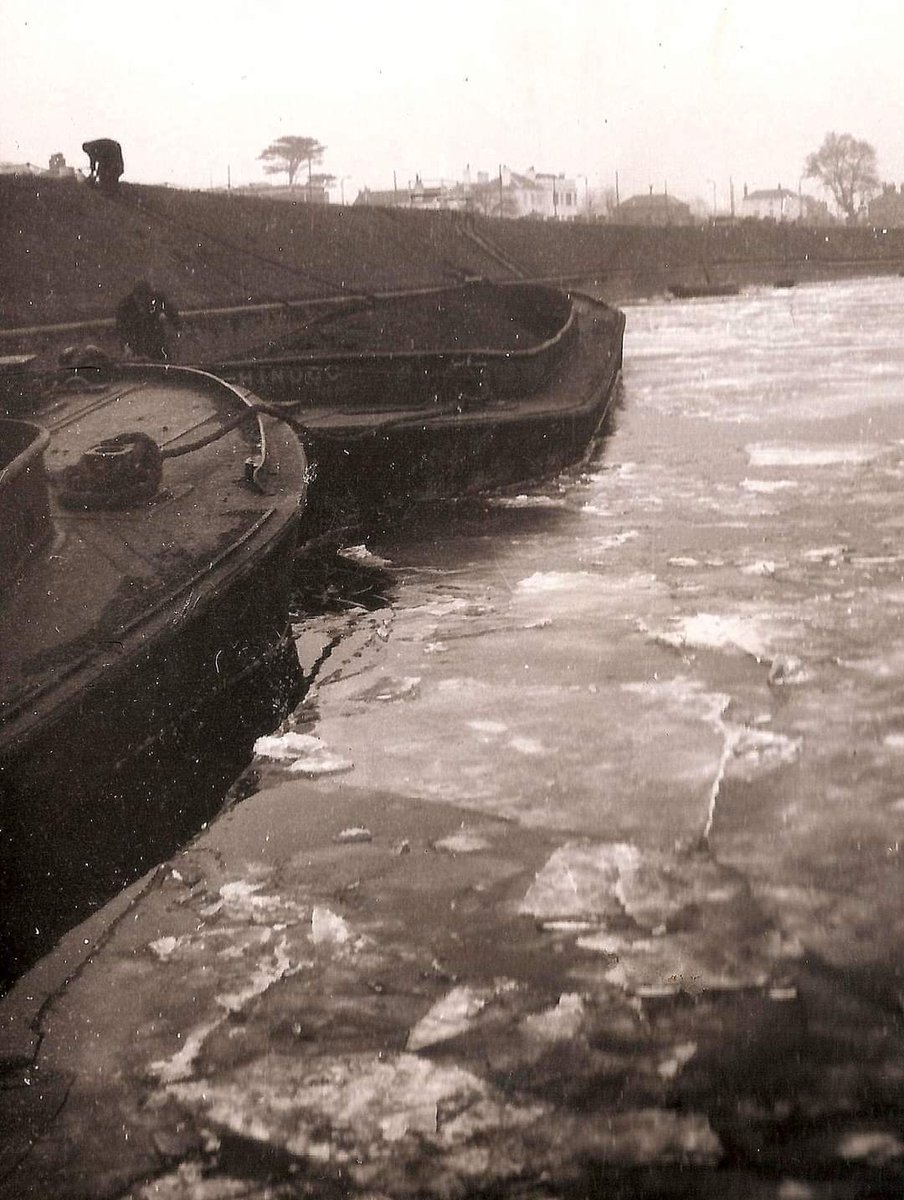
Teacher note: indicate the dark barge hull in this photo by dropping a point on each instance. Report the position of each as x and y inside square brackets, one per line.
[388, 432]
[129, 747]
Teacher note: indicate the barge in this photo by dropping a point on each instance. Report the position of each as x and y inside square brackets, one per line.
[148, 522]
[432, 397]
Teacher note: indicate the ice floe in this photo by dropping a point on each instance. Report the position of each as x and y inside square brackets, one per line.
[552, 581]
[873, 1146]
[714, 631]
[285, 746]
[755, 752]
[560, 1023]
[769, 486]
[525, 501]
[841, 454]
[668, 923]
[361, 554]
[462, 843]
[327, 926]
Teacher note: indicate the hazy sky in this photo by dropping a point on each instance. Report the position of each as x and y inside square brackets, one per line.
[672, 94]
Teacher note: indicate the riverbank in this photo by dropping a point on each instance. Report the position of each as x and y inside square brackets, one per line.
[70, 253]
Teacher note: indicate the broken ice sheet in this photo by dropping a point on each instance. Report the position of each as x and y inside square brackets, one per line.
[756, 752]
[327, 926]
[305, 754]
[561, 1023]
[283, 747]
[355, 1110]
[453, 1014]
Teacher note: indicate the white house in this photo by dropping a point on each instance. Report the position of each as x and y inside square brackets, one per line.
[781, 204]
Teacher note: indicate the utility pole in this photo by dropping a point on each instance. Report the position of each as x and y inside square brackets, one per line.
[617, 201]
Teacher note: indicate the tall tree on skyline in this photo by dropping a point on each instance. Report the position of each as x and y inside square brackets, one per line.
[288, 153]
[846, 167]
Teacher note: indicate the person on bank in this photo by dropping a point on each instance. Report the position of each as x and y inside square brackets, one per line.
[145, 319]
[105, 159]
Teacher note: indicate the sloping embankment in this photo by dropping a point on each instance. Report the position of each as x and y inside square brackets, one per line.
[70, 254]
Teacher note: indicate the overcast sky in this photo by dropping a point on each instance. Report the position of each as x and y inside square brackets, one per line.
[681, 95]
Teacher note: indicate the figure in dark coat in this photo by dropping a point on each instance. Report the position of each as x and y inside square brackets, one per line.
[144, 320]
[105, 157]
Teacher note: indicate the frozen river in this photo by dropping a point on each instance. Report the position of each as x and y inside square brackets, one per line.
[698, 640]
[685, 664]
[578, 872]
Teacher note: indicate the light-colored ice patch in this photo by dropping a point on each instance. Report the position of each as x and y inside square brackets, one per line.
[488, 727]
[449, 1017]
[320, 761]
[266, 972]
[580, 882]
[561, 1023]
[682, 962]
[462, 843]
[875, 1147]
[768, 486]
[358, 1112]
[455, 1013]
[361, 554]
[354, 834]
[826, 554]
[179, 1065]
[765, 567]
[681, 1055]
[787, 669]
[842, 454]
[683, 561]
[615, 540]
[755, 752]
[327, 926]
[524, 501]
[529, 746]
[895, 742]
[285, 746]
[712, 631]
[242, 898]
[165, 947]
[552, 581]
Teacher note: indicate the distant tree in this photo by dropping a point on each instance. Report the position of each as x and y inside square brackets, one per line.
[321, 181]
[846, 168]
[288, 153]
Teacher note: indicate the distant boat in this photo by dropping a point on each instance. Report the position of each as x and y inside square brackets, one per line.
[431, 397]
[682, 291]
[785, 283]
[148, 520]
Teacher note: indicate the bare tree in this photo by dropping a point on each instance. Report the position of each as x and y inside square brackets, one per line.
[288, 153]
[846, 168]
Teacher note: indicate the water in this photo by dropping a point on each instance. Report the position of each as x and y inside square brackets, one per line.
[697, 637]
[693, 649]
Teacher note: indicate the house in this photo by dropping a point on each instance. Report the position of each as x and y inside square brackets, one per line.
[413, 195]
[886, 211]
[781, 204]
[654, 209]
[531, 193]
